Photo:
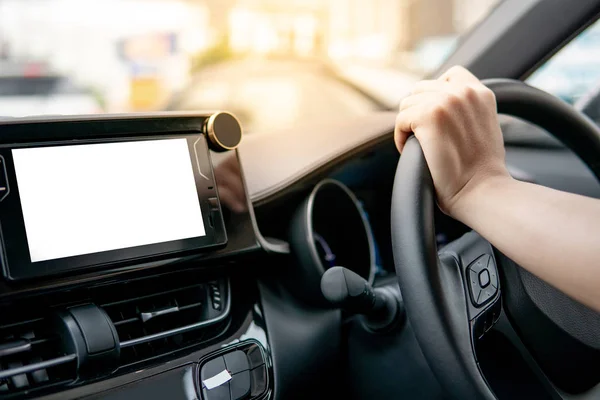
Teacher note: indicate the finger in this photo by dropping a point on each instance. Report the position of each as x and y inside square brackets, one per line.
[400, 138]
[409, 119]
[416, 99]
[428, 86]
[406, 122]
[458, 74]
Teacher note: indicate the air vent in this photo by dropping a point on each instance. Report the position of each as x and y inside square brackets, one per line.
[155, 318]
[155, 324]
[31, 358]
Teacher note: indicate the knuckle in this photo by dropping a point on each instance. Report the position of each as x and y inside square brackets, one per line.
[469, 93]
[440, 112]
[487, 94]
[451, 101]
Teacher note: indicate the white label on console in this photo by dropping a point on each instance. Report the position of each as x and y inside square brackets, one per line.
[217, 380]
[82, 199]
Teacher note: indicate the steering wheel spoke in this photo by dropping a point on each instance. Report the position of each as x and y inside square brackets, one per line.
[474, 257]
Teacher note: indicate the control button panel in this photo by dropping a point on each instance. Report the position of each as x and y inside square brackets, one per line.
[237, 374]
[483, 280]
[485, 321]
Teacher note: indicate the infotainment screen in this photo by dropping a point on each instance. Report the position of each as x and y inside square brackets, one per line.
[74, 206]
[97, 197]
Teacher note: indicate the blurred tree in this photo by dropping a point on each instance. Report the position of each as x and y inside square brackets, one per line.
[215, 54]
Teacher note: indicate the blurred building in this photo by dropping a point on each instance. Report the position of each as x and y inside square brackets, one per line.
[281, 27]
[413, 34]
[383, 31]
[422, 19]
[120, 48]
[367, 30]
[218, 17]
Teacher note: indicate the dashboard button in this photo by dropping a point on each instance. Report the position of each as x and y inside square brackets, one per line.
[487, 294]
[214, 203]
[218, 393]
[236, 361]
[240, 385]
[258, 381]
[484, 278]
[212, 368]
[480, 264]
[255, 356]
[493, 276]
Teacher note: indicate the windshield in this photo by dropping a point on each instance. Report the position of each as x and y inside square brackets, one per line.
[274, 63]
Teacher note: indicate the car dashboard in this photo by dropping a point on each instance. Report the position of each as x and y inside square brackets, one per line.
[236, 315]
[239, 314]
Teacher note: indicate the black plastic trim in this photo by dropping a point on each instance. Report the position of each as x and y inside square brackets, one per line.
[7, 373]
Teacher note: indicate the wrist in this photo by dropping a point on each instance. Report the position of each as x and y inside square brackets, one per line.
[477, 195]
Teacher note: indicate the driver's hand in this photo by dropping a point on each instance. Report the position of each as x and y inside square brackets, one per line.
[455, 120]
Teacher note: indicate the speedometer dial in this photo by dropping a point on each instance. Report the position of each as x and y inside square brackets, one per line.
[330, 229]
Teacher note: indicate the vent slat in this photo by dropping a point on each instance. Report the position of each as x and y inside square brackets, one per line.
[25, 369]
[12, 326]
[14, 347]
[126, 321]
[189, 306]
[145, 297]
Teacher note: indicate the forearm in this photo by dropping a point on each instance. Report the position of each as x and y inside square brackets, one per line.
[555, 235]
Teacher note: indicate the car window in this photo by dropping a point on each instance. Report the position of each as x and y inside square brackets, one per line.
[274, 63]
[573, 73]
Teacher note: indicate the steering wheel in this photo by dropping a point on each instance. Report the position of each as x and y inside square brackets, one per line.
[470, 292]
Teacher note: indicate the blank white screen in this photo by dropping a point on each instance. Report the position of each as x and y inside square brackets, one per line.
[86, 199]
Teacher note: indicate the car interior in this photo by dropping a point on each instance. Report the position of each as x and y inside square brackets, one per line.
[165, 255]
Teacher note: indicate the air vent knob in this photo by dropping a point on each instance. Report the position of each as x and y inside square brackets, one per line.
[88, 332]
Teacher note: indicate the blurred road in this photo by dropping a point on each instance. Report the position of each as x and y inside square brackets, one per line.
[269, 95]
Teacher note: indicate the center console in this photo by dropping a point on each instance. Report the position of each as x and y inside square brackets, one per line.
[117, 238]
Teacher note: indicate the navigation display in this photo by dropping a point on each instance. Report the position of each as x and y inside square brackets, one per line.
[91, 198]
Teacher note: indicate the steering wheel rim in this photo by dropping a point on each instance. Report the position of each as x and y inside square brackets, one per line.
[433, 286]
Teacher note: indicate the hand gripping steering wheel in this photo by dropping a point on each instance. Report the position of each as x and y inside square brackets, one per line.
[457, 296]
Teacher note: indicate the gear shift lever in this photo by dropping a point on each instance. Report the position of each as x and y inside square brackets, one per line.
[348, 290]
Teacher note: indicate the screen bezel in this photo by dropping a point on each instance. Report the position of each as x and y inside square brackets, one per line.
[17, 263]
